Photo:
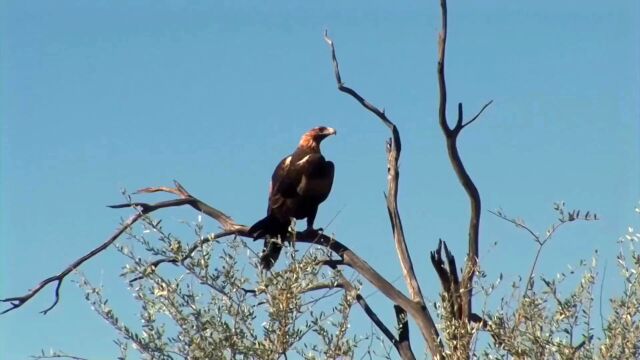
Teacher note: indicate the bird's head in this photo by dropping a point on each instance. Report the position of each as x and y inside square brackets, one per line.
[312, 138]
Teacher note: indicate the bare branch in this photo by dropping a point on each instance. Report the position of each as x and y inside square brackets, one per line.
[448, 274]
[324, 286]
[405, 353]
[58, 355]
[451, 136]
[565, 218]
[517, 224]
[225, 221]
[336, 69]
[393, 153]
[477, 115]
[417, 307]
[332, 263]
[167, 189]
[536, 238]
[143, 209]
[403, 348]
[442, 84]
[604, 276]
[16, 302]
[370, 313]
[394, 147]
[460, 118]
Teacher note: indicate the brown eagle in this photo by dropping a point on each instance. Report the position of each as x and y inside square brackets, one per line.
[300, 182]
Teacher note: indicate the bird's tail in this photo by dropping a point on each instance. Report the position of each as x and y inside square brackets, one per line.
[270, 253]
[269, 226]
[275, 230]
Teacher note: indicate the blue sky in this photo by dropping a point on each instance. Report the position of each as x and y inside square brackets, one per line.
[97, 96]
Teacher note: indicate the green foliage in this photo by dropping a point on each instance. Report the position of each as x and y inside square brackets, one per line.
[622, 331]
[217, 304]
[549, 322]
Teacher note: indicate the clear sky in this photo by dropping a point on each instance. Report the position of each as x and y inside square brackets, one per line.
[96, 96]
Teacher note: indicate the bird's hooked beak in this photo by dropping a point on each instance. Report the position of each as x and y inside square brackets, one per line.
[330, 131]
[316, 135]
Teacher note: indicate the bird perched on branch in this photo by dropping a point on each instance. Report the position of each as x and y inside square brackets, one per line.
[299, 183]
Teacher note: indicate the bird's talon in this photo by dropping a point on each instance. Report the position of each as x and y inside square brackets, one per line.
[313, 231]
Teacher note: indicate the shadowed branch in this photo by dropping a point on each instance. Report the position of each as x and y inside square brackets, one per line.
[403, 348]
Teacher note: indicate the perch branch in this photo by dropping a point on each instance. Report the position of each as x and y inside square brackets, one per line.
[348, 257]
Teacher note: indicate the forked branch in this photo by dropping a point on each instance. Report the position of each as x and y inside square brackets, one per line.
[542, 239]
[451, 136]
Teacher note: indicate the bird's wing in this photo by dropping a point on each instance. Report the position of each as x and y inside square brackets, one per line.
[307, 176]
[284, 182]
[317, 177]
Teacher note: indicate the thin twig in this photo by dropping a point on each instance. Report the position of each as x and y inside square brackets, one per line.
[541, 241]
[517, 224]
[58, 356]
[477, 115]
[604, 274]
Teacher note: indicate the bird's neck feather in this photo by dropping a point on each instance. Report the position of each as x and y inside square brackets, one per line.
[309, 144]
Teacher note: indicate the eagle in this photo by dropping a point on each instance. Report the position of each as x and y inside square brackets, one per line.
[300, 182]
